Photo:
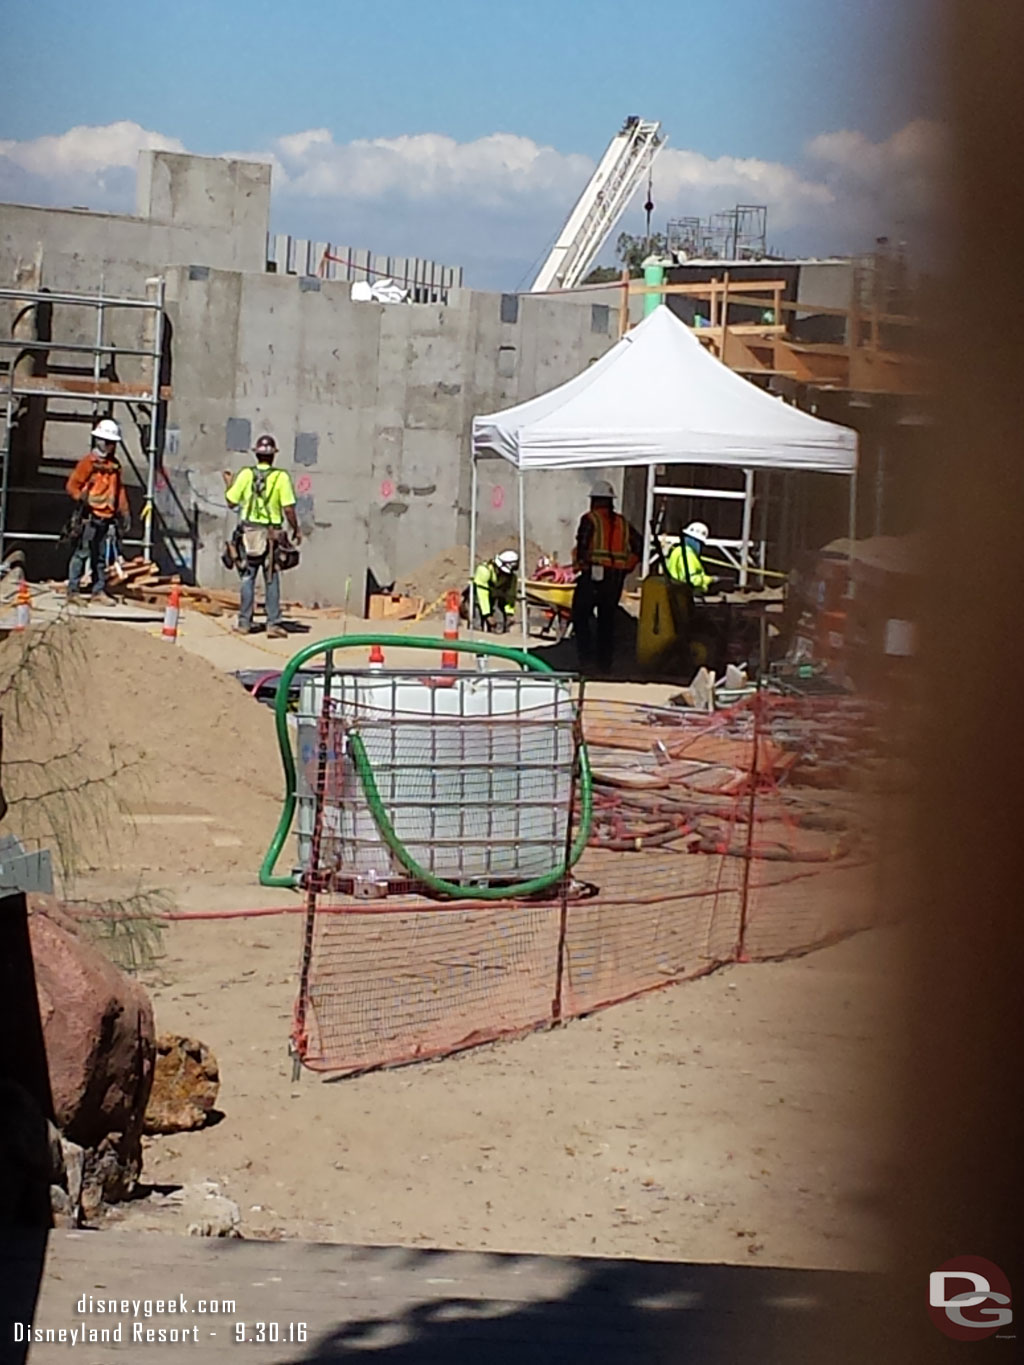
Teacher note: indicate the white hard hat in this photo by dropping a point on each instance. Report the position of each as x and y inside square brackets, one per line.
[508, 559]
[602, 489]
[107, 430]
[699, 531]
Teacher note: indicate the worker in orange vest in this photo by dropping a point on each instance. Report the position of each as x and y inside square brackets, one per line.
[607, 549]
[101, 512]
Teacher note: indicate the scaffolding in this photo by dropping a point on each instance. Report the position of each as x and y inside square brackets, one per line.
[736, 234]
[88, 378]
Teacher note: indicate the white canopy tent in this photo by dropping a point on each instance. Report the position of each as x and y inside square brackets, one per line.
[659, 398]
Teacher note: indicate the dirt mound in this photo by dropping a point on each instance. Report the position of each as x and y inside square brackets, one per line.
[124, 753]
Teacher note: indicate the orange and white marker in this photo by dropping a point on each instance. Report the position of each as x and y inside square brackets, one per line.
[23, 611]
[171, 614]
[450, 657]
[376, 659]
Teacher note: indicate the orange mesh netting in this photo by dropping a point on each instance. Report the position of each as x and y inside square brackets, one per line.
[752, 832]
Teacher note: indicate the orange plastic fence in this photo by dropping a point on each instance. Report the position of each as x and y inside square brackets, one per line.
[745, 834]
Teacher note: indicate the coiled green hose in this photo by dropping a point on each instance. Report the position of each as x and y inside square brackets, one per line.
[365, 772]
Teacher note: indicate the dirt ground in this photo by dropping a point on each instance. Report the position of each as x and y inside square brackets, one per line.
[732, 1118]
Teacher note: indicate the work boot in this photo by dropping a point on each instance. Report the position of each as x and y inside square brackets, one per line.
[105, 598]
[239, 629]
[75, 599]
[276, 633]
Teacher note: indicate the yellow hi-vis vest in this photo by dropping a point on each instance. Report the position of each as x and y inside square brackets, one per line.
[693, 570]
[609, 545]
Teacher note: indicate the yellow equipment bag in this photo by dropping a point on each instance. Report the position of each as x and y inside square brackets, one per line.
[665, 610]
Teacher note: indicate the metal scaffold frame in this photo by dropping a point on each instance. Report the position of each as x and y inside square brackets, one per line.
[95, 389]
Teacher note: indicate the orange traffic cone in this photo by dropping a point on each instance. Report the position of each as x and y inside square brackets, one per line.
[450, 657]
[171, 614]
[376, 659]
[23, 611]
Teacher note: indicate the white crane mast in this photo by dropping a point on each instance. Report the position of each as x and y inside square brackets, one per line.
[621, 171]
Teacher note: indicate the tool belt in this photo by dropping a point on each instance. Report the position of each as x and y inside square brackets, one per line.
[252, 541]
[71, 531]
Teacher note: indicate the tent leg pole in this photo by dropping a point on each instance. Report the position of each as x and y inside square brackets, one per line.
[852, 531]
[766, 490]
[474, 481]
[648, 521]
[748, 513]
[523, 609]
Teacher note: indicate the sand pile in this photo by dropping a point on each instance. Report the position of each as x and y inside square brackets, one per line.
[124, 754]
[450, 569]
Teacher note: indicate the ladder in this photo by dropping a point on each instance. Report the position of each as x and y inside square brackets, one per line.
[620, 172]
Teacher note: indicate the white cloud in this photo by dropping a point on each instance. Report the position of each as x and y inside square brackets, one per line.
[884, 187]
[87, 150]
[503, 196]
[688, 183]
[490, 170]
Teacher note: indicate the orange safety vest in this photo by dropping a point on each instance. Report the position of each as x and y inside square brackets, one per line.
[609, 545]
[96, 481]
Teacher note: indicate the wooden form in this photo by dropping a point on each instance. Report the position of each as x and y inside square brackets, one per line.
[862, 365]
[386, 606]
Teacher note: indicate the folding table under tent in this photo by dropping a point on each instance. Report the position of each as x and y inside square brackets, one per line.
[659, 398]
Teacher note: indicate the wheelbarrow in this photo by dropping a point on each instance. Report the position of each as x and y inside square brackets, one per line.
[555, 601]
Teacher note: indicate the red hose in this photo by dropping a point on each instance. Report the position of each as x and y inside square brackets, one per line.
[254, 690]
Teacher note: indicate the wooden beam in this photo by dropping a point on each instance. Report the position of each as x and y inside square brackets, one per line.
[813, 364]
[89, 388]
[725, 316]
[702, 290]
[768, 330]
[897, 319]
[624, 304]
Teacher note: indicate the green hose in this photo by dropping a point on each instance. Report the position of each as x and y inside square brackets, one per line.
[453, 889]
[516, 656]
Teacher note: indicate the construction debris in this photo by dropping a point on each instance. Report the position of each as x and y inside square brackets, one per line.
[139, 580]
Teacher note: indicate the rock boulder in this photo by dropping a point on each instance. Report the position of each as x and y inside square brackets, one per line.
[185, 1085]
[99, 1038]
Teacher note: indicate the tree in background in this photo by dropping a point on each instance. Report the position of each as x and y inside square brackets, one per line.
[632, 251]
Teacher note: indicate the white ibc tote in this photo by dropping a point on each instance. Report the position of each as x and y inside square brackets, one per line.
[474, 775]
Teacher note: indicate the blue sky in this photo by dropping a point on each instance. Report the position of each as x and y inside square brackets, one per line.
[733, 82]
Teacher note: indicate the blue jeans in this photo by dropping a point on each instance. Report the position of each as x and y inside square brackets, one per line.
[272, 582]
[91, 549]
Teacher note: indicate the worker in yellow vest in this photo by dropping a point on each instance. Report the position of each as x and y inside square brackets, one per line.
[495, 591]
[684, 562]
[607, 549]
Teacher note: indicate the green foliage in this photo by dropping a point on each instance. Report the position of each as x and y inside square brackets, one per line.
[632, 250]
[128, 931]
[603, 274]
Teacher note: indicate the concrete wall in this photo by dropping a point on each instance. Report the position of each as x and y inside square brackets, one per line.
[193, 211]
[230, 199]
[372, 407]
[371, 404]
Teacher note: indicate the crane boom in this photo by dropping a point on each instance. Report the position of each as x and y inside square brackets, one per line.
[621, 170]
